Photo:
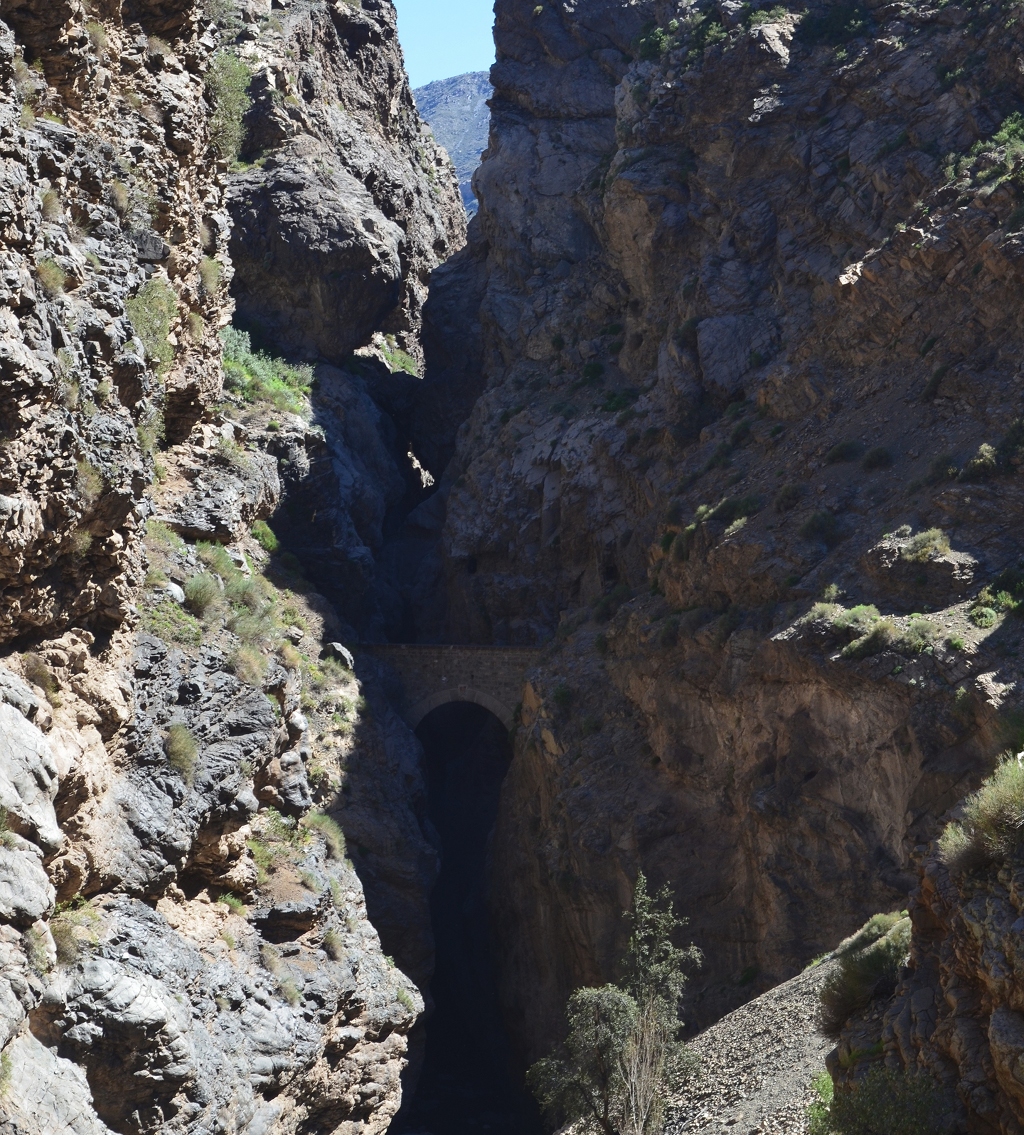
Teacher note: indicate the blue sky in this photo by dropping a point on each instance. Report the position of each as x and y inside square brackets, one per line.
[441, 38]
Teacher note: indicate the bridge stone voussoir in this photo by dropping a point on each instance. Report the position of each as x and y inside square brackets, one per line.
[433, 675]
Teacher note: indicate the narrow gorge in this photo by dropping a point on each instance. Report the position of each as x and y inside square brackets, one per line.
[382, 597]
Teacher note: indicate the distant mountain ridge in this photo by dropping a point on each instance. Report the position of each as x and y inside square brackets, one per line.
[457, 112]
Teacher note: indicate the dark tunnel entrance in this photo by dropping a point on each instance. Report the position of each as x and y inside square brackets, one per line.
[468, 1083]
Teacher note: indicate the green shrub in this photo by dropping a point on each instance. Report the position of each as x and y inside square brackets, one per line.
[992, 828]
[230, 453]
[217, 558]
[233, 903]
[254, 628]
[774, 16]
[924, 545]
[869, 966]
[880, 637]
[877, 458]
[593, 1073]
[168, 621]
[333, 944]
[151, 431]
[919, 634]
[654, 44]
[983, 617]
[848, 450]
[883, 1102]
[859, 619]
[39, 674]
[788, 497]
[51, 207]
[68, 919]
[161, 537]
[983, 465]
[263, 855]
[404, 998]
[6, 835]
[97, 34]
[91, 482]
[81, 543]
[246, 591]
[258, 377]
[227, 85]
[329, 829]
[823, 611]
[196, 327]
[209, 275]
[120, 198]
[182, 751]
[151, 311]
[822, 527]
[396, 358]
[51, 277]
[264, 536]
[201, 592]
[249, 665]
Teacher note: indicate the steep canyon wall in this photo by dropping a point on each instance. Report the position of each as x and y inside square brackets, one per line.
[184, 935]
[742, 292]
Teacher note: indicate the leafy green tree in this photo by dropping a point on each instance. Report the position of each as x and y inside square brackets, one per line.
[611, 1072]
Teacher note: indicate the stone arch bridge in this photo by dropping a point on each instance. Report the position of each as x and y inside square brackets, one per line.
[491, 676]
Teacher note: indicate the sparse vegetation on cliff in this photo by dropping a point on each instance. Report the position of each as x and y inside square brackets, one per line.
[992, 827]
[259, 377]
[182, 751]
[227, 85]
[152, 310]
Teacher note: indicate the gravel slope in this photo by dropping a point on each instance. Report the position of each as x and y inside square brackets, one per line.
[757, 1064]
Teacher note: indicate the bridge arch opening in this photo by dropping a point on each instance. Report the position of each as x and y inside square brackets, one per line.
[468, 1082]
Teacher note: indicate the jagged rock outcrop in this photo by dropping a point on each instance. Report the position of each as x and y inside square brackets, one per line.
[744, 294]
[349, 202]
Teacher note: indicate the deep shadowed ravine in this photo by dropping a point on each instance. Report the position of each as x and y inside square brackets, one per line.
[469, 1082]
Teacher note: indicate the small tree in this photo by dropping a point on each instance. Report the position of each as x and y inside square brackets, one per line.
[621, 1050]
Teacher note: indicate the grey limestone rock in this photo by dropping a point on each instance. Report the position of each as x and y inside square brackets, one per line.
[352, 202]
[28, 780]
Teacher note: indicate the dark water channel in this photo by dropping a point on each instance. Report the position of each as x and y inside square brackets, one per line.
[468, 1084]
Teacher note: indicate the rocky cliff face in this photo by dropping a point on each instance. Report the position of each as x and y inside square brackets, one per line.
[347, 205]
[185, 940]
[955, 1016]
[742, 291]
